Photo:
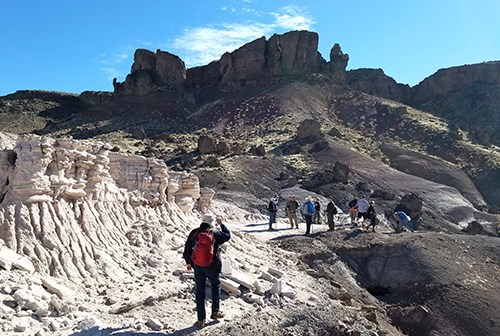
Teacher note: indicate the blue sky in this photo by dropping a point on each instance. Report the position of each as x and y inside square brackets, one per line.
[73, 46]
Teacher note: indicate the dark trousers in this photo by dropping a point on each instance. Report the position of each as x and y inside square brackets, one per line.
[201, 274]
[272, 218]
[308, 223]
[331, 224]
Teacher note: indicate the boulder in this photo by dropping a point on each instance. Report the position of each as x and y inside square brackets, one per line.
[387, 195]
[242, 279]
[206, 144]
[341, 172]
[309, 128]
[230, 287]
[154, 324]
[259, 150]
[411, 204]
[211, 161]
[238, 149]
[474, 228]
[222, 148]
[10, 259]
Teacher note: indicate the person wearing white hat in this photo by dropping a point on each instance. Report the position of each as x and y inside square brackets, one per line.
[201, 253]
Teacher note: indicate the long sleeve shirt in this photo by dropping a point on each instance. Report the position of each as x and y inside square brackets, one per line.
[221, 236]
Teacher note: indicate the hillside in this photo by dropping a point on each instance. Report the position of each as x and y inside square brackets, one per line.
[115, 202]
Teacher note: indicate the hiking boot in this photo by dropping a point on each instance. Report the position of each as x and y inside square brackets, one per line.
[200, 324]
[217, 315]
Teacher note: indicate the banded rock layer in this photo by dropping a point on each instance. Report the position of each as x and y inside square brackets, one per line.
[79, 211]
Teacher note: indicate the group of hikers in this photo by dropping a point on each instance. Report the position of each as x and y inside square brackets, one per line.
[360, 211]
[310, 211]
[202, 253]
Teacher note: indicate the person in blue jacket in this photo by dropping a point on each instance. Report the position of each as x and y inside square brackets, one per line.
[402, 221]
[307, 210]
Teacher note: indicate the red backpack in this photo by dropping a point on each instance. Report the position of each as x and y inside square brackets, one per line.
[203, 252]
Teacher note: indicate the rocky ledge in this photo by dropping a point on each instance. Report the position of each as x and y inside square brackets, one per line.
[261, 61]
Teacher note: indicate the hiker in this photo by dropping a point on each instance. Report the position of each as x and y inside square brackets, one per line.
[372, 216]
[307, 210]
[331, 210]
[353, 210]
[362, 208]
[272, 208]
[276, 200]
[402, 221]
[291, 210]
[317, 208]
[201, 253]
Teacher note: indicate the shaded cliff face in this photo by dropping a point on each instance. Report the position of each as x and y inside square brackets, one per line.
[376, 82]
[468, 96]
[258, 62]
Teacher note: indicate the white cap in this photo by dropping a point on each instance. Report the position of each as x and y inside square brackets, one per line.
[209, 218]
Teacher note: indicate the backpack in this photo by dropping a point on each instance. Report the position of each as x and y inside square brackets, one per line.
[308, 208]
[272, 207]
[203, 252]
[353, 203]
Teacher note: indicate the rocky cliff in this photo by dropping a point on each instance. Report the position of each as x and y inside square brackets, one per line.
[73, 206]
[468, 96]
[260, 61]
[377, 83]
[153, 72]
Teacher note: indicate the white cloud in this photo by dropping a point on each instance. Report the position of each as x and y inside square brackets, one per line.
[201, 45]
[293, 17]
[111, 73]
[113, 66]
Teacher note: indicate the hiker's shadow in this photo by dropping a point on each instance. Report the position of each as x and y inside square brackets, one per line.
[256, 224]
[311, 235]
[190, 330]
[125, 331]
[260, 230]
[353, 234]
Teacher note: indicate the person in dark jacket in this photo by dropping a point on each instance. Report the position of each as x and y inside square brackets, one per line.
[272, 209]
[291, 210]
[372, 216]
[331, 210]
[317, 211]
[212, 271]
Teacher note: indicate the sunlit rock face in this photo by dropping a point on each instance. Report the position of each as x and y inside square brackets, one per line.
[74, 208]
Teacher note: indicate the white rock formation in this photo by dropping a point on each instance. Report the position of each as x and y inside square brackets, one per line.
[77, 210]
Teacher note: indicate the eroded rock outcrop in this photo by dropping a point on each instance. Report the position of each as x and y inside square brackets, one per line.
[76, 209]
[153, 72]
[261, 61]
[338, 63]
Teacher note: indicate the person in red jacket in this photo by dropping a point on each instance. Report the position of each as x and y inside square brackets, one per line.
[211, 269]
